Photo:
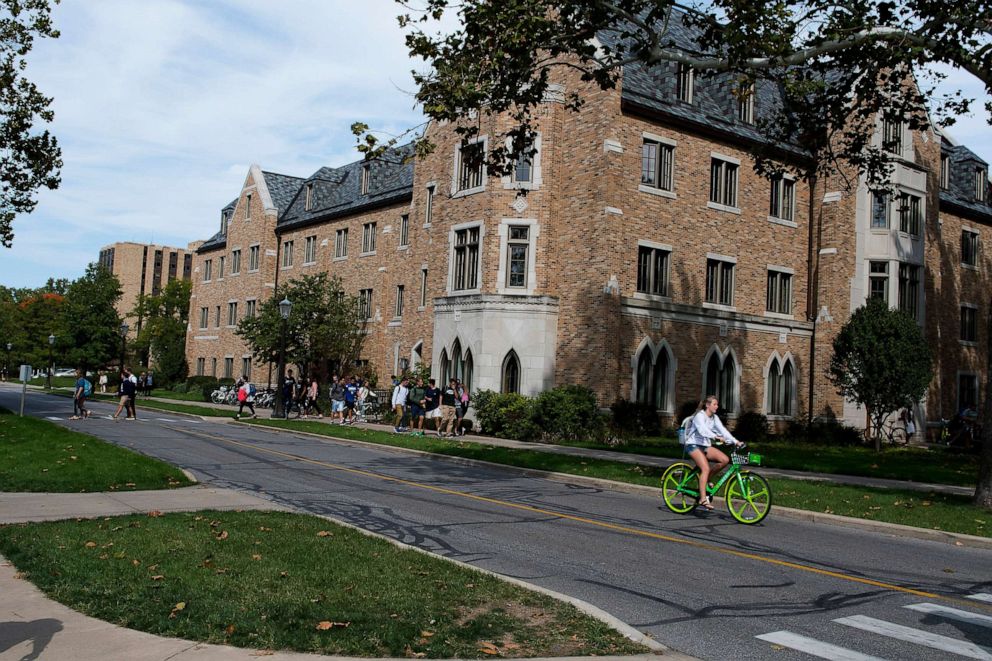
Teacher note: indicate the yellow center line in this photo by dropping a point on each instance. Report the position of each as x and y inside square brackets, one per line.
[594, 522]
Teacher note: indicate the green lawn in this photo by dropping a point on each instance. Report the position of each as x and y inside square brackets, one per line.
[949, 513]
[915, 464]
[273, 580]
[37, 455]
[195, 396]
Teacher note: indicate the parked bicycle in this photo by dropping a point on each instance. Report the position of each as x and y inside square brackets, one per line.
[748, 495]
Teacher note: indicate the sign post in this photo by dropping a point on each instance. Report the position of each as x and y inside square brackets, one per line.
[25, 377]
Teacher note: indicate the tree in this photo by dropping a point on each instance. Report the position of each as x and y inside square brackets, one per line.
[36, 316]
[29, 159]
[164, 319]
[882, 361]
[325, 325]
[88, 337]
[837, 65]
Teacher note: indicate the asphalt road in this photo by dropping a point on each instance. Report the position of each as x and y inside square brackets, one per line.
[703, 585]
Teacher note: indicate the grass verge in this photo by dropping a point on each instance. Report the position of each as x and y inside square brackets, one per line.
[936, 466]
[37, 455]
[276, 580]
[196, 396]
[949, 513]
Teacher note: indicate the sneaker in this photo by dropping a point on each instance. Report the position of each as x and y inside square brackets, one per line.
[254, 415]
[397, 430]
[237, 417]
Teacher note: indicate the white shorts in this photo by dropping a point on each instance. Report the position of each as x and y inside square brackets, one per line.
[434, 413]
[337, 405]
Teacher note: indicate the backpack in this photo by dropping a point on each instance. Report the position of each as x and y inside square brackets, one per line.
[87, 388]
[251, 389]
[684, 429]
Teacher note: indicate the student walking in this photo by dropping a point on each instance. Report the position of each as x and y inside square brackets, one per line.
[350, 397]
[126, 393]
[148, 384]
[103, 382]
[337, 400]
[416, 399]
[432, 404]
[246, 397]
[313, 392]
[461, 406]
[83, 390]
[448, 398]
[400, 394]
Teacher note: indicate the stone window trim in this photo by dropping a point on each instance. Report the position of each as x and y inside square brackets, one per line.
[723, 356]
[892, 132]
[536, 177]
[430, 195]
[236, 257]
[258, 250]
[248, 197]
[370, 231]
[456, 168]
[647, 136]
[404, 232]
[451, 291]
[945, 171]
[773, 268]
[976, 234]
[423, 288]
[719, 286]
[779, 219]
[735, 165]
[504, 233]
[793, 404]
[914, 225]
[656, 349]
[310, 250]
[957, 387]
[685, 79]
[645, 296]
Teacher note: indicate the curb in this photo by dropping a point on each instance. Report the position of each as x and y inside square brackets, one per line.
[894, 529]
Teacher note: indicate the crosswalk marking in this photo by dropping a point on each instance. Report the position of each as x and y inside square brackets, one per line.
[814, 647]
[165, 419]
[911, 635]
[981, 596]
[952, 614]
[53, 417]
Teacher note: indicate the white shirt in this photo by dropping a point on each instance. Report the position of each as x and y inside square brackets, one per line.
[705, 428]
[399, 395]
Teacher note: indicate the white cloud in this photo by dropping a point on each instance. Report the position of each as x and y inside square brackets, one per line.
[161, 105]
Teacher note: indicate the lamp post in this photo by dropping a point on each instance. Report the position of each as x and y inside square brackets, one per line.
[280, 408]
[51, 361]
[123, 329]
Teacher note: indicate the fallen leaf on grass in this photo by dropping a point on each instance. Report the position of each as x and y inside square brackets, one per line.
[222, 536]
[175, 609]
[229, 629]
[90, 545]
[157, 577]
[325, 533]
[136, 562]
[255, 556]
[426, 634]
[154, 513]
[488, 648]
[408, 651]
[283, 574]
[324, 625]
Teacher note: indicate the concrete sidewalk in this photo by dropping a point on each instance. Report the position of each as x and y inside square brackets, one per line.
[32, 626]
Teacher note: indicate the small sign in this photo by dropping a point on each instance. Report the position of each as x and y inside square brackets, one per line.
[25, 373]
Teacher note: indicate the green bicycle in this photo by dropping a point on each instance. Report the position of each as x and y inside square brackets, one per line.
[749, 497]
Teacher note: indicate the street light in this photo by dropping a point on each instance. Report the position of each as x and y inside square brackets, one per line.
[51, 361]
[123, 329]
[285, 307]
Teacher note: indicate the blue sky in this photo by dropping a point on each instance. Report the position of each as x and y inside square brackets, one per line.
[162, 105]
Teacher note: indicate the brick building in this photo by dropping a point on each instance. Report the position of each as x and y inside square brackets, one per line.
[143, 269]
[646, 260]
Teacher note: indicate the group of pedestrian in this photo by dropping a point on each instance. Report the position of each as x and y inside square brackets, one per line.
[414, 404]
[127, 391]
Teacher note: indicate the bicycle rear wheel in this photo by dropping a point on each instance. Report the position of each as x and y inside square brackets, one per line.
[749, 497]
[674, 482]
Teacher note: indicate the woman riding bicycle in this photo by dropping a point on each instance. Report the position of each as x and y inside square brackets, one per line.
[705, 428]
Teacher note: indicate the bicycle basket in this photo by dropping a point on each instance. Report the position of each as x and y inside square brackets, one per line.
[745, 458]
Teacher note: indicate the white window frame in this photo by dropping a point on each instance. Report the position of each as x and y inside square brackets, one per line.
[404, 233]
[236, 261]
[369, 238]
[232, 314]
[365, 298]
[668, 276]
[430, 191]
[663, 143]
[782, 271]
[366, 179]
[251, 307]
[534, 231]
[341, 244]
[745, 103]
[287, 253]
[204, 317]
[255, 251]
[775, 215]
[725, 161]
[451, 257]
[733, 287]
[536, 175]
[398, 306]
[308, 201]
[945, 171]
[455, 178]
[310, 250]
[208, 270]
[685, 83]
[981, 183]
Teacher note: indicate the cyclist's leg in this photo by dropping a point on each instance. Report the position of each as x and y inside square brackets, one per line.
[699, 457]
[720, 459]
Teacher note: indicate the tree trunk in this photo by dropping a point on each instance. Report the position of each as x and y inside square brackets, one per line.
[983, 490]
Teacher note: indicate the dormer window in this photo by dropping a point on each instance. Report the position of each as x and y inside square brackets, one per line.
[686, 79]
[224, 216]
[745, 103]
[892, 136]
[981, 184]
[945, 171]
[308, 204]
[366, 176]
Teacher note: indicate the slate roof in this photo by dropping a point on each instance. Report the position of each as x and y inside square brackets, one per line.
[282, 189]
[218, 240]
[337, 191]
[713, 107]
[960, 195]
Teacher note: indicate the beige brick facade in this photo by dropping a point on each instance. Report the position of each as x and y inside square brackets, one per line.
[572, 312]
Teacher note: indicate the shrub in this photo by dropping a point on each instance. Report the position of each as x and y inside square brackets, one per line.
[180, 388]
[568, 413]
[634, 419]
[825, 432]
[751, 426]
[506, 415]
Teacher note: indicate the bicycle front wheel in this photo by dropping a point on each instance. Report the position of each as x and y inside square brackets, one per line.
[749, 497]
[675, 482]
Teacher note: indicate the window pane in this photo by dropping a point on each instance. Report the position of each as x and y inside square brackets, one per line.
[649, 163]
[879, 210]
